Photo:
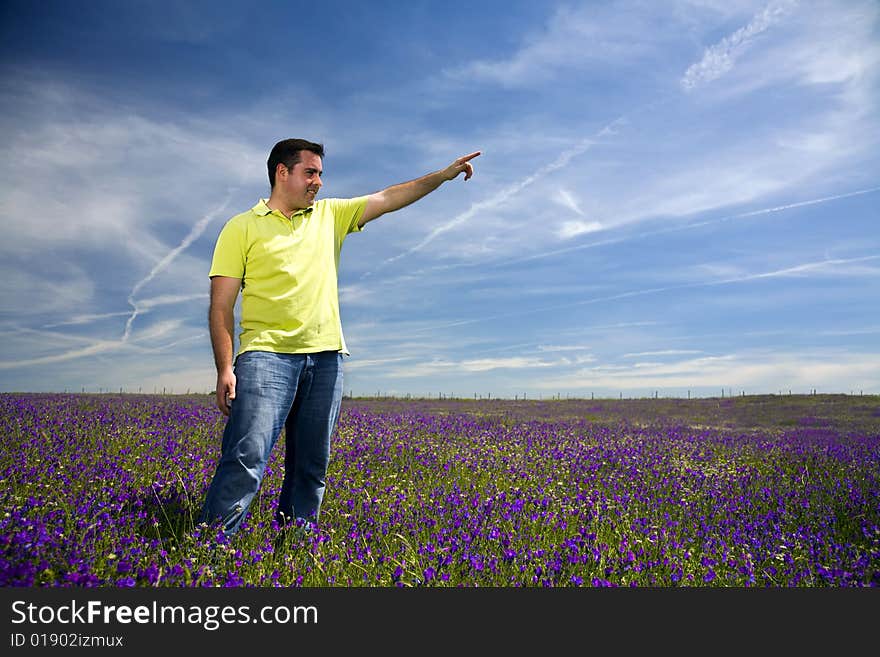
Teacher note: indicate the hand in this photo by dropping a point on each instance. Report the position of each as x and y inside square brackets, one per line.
[225, 391]
[461, 164]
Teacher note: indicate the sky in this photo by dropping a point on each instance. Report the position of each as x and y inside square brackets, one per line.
[675, 198]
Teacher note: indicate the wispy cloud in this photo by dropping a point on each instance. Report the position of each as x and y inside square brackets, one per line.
[506, 193]
[569, 229]
[148, 303]
[828, 266]
[662, 352]
[830, 370]
[721, 57]
[194, 233]
[687, 227]
[73, 354]
[113, 198]
[86, 319]
[730, 203]
[592, 38]
[566, 199]
[86, 347]
[438, 366]
[561, 347]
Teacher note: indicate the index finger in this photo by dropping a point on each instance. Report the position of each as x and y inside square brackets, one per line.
[471, 156]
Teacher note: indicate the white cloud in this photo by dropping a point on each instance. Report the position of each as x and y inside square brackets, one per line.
[471, 365]
[379, 363]
[508, 192]
[569, 229]
[67, 288]
[160, 329]
[662, 352]
[88, 318]
[567, 200]
[674, 157]
[855, 267]
[116, 174]
[357, 294]
[166, 260]
[73, 354]
[561, 347]
[721, 57]
[827, 267]
[498, 198]
[752, 372]
[168, 300]
[716, 162]
[573, 39]
[783, 109]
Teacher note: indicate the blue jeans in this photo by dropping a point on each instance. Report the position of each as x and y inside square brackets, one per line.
[301, 393]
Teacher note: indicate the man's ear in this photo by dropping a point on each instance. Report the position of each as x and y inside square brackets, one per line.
[281, 171]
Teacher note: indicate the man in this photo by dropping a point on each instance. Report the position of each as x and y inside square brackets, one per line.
[283, 254]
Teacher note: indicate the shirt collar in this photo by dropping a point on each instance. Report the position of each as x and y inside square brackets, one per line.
[261, 209]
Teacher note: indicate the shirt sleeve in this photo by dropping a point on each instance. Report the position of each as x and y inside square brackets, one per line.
[347, 212]
[229, 252]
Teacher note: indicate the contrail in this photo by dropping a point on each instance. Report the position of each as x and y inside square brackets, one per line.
[111, 345]
[716, 61]
[809, 266]
[651, 233]
[579, 148]
[720, 58]
[801, 204]
[697, 224]
[91, 350]
[194, 233]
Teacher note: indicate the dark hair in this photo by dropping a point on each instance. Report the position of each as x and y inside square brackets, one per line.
[287, 152]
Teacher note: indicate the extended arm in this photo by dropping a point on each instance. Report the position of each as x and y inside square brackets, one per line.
[399, 196]
[221, 320]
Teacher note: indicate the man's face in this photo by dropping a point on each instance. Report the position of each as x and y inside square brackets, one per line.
[302, 182]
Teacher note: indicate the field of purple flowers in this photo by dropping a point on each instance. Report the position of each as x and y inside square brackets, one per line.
[766, 491]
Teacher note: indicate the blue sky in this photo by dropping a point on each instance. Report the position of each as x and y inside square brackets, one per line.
[673, 197]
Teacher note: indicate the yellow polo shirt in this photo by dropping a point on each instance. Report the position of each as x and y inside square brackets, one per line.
[288, 268]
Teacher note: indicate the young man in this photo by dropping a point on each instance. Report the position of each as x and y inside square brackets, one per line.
[283, 254]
